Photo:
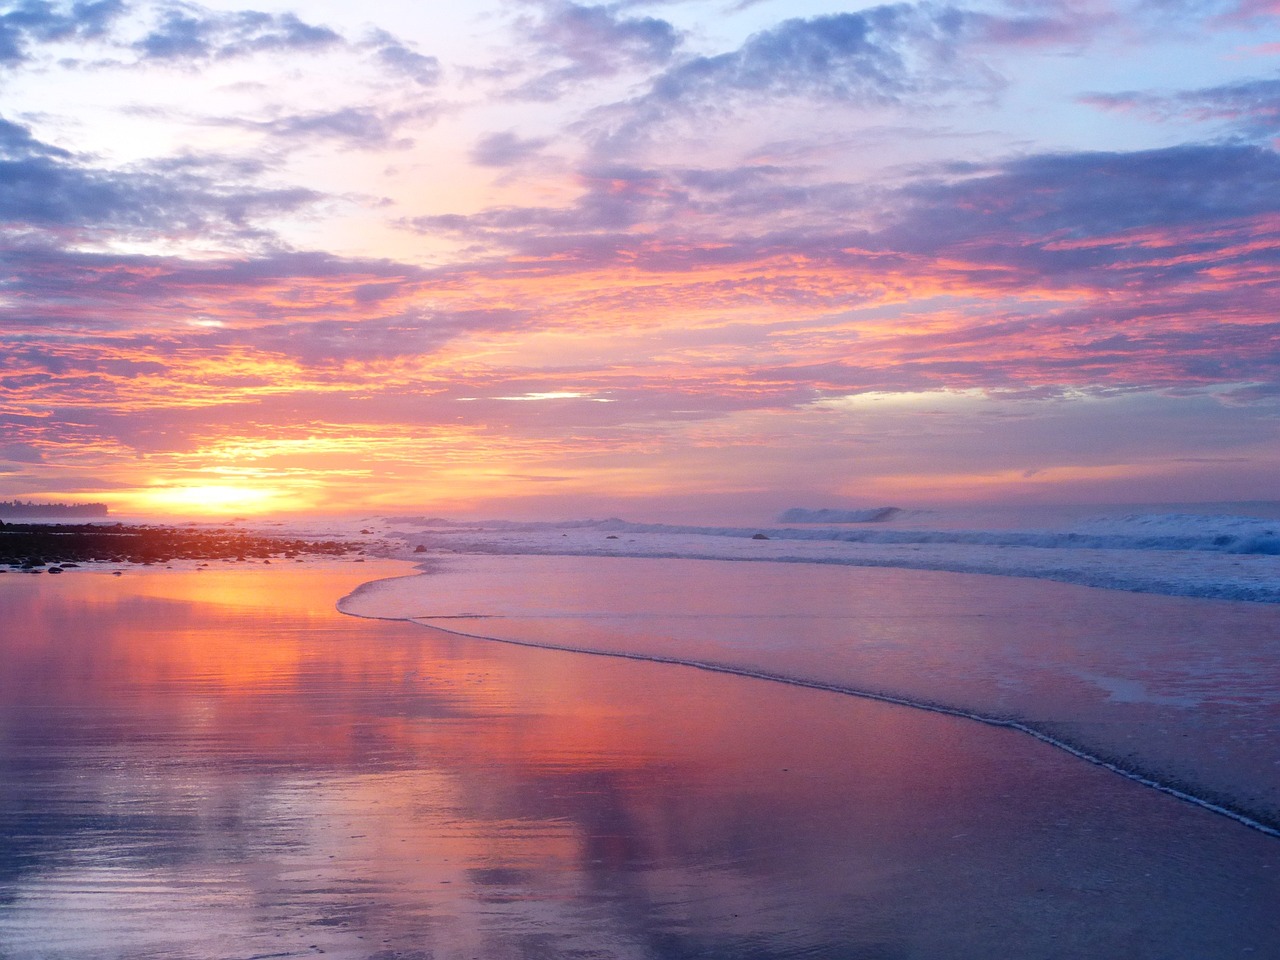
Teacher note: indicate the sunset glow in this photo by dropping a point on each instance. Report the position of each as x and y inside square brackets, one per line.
[542, 257]
[206, 500]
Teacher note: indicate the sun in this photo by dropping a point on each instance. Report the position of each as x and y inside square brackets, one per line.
[207, 499]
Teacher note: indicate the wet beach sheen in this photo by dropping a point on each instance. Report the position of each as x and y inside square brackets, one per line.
[216, 763]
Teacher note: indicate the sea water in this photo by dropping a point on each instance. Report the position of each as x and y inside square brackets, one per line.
[1224, 551]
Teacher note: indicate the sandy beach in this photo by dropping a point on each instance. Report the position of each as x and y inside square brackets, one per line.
[1179, 691]
[215, 762]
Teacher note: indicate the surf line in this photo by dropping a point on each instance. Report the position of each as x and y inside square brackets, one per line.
[987, 719]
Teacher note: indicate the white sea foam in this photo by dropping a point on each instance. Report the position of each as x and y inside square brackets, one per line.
[1218, 555]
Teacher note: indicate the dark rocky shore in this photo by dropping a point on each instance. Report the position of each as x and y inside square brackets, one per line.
[34, 546]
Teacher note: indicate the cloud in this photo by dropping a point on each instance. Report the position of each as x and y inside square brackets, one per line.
[20, 453]
[1251, 107]
[1093, 270]
[1076, 270]
[1089, 207]
[1250, 12]
[595, 41]
[24, 485]
[1041, 25]
[101, 291]
[617, 197]
[45, 188]
[364, 127]
[879, 55]
[505, 149]
[1167, 212]
[1047, 215]
[901, 56]
[187, 36]
[904, 56]
[190, 33]
[36, 21]
[83, 327]
[337, 342]
[1254, 393]
[17, 142]
[399, 58]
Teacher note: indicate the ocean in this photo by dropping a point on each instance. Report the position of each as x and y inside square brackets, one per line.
[1225, 551]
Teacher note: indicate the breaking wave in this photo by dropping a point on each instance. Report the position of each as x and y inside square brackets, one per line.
[874, 515]
[1223, 556]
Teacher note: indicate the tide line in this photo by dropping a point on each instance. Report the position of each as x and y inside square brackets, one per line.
[992, 721]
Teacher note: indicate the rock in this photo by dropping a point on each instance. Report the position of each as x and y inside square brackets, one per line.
[419, 549]
[759, 536]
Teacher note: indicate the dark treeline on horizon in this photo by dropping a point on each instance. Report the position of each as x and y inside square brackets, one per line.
[26, 508]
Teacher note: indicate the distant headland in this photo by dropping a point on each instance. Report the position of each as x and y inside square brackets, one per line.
[26, 508]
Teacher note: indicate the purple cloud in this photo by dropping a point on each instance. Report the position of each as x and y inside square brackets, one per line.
[47, 188]
[505, 149]
[399, 58]
[189, 32]
[1189, 234]
[596, 42]
[1064, 216]
[52, 287]
[879, 55]
[1098, 192]
[1251, 108]
[617, 197]
[42, 22]
[334, 342]
[1251, 12]
[364, 127]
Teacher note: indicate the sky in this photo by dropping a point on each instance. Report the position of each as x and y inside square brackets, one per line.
[538, 258]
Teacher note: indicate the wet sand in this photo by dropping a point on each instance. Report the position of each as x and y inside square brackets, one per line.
[1180, 691]
[218, 764]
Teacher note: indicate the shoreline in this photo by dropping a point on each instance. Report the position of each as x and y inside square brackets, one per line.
[263, 775]
[1136, 684]
[1270, 826]
[147, 545]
